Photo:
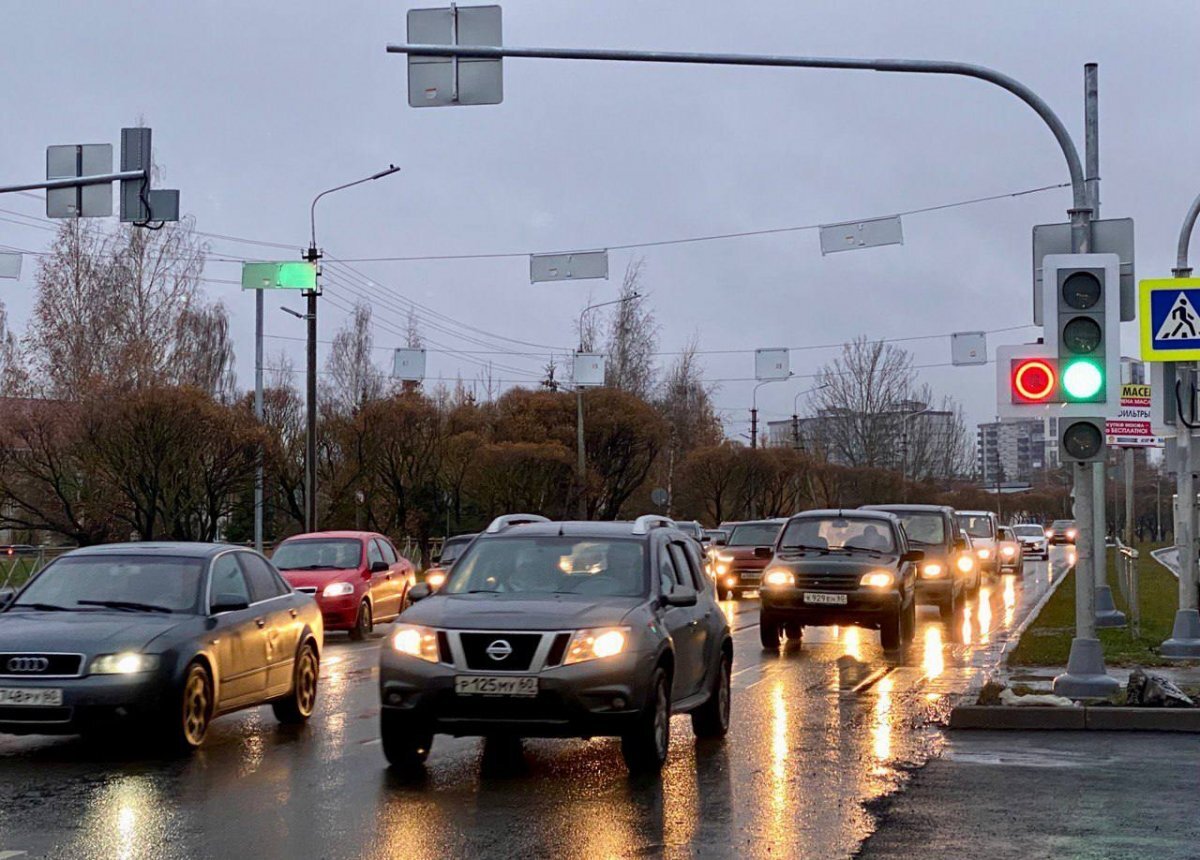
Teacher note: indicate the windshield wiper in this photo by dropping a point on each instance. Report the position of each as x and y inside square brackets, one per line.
[43, 607]
[483, 591]
[865, 549]
[131, 605]
[800, 547]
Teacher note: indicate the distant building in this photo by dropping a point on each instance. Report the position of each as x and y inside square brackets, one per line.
[1016, 450]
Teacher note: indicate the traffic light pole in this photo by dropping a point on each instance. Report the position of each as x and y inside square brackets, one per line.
[1184, 643]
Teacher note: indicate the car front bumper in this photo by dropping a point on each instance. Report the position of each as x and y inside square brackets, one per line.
[1036, 547]
[591, 699]
[864, 608]
[92, 701]
[936, 591]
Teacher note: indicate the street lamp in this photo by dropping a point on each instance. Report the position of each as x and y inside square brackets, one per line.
[580, 450]
[310, 448]
[754, 408]
[796, 414]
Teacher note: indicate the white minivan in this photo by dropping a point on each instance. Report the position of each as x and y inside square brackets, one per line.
[982, 528]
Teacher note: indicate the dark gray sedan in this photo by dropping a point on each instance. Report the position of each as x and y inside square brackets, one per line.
[565, 629]
[161, 635]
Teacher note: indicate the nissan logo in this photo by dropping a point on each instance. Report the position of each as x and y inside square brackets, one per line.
[28, 664]
[499, 650]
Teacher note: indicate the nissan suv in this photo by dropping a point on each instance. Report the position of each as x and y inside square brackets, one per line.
[561, 629]
[841, 567]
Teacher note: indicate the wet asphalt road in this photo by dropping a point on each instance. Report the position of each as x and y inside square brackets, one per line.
[821, 731]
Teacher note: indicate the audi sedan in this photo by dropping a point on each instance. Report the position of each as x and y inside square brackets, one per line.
[160, 636]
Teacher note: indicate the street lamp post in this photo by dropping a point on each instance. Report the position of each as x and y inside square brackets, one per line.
[580, 445]
[796, 414]
[312, 255]
[908, 416]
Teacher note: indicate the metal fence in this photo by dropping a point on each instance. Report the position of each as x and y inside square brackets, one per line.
[18, 563]
[1127, 579]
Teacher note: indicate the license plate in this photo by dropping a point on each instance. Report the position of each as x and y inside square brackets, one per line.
[492, 685]
[750, 574]
[30, 697]
[825, 599]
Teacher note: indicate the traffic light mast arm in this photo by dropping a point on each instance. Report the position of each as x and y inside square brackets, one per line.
[1080, 211]
[75, 181]
[1182, 269]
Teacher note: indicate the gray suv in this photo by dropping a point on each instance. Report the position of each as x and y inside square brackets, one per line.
[561, 629]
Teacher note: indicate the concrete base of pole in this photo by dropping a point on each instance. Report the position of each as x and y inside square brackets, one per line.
[1107, 614]
[1184, 643]
[1085, 677]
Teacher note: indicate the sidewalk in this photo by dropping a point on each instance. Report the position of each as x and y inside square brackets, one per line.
[1030, 795]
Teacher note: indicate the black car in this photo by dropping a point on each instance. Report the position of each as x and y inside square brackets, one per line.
[164, 636]
[949, 572]
[841, 567]
[561, 629]
[1061, 531]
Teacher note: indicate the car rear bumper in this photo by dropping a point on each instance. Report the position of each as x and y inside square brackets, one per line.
[863, 608]
[935, 591]
[95, 701]
[597, 698]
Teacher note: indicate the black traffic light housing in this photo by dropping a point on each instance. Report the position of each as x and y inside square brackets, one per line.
[1081, 440]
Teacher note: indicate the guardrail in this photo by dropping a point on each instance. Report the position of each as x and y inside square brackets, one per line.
[1127, 579]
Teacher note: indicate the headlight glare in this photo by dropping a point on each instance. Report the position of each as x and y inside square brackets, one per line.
[779, 577]
[932, 570]
[414, 641]
[126, 663]
[1008, 550]
[596, 644]
[878, 579]
[725, 557]
[338, 589]
[984, 552]
[435, 579]
[964, 563]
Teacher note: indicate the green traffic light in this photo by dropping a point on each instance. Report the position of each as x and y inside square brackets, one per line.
[1082, 380]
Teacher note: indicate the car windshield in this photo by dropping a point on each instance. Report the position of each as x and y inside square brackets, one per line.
[754, 534]
[120, 582]
[717, 534]
[838, 533]
[691, 529]
[1030, 531]
[1006, 533]
[452, 549]
[977, 525]
[551, 565]
[923, 528]
[318, 554]
[1063, 524]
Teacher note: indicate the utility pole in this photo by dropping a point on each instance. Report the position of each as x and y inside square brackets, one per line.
[258, 414]
[753, 427]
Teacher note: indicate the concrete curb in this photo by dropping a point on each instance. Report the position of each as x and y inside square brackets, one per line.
[1096, 719]
[1014, 636]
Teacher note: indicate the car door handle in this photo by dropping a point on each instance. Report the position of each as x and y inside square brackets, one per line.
[293, 612]
[261, 622]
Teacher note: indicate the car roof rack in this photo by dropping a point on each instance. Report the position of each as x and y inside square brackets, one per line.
[503, 522]
[644, 523]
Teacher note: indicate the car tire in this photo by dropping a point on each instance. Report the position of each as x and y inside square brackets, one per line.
[768, 632]
[711, 720]
[300, 703]
[188, 722]
[406, 744]
[722, 593]
[908, 621]
[948, 609]
[794, 631]
[891, 635]
[363, 622]
[645, 746]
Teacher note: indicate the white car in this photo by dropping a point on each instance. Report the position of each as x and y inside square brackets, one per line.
[1033, 540]
[982, 527]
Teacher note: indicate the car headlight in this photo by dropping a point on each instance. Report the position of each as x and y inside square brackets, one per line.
[1008, 550]
[1071, 534]
[414, 641]
[1049, 533]
[338, 589]
[435, 579]
[725, 557]
[722, 569]
[127, 663]
[878, 579]
[779, 577]
[932, 570]
[596, 644]
[964, 563]
[983, 552]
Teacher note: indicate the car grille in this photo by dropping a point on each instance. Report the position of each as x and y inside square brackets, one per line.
[824, 581]
[21, 714]
[545, 707]
[523, 646]
[34, 665]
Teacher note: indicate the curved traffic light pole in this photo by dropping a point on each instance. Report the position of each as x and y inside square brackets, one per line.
[1185, 634]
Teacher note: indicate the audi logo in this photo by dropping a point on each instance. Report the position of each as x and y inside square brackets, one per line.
[499, 650]
[28, 664]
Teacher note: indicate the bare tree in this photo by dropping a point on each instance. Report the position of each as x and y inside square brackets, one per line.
[14, 377]
[204, 352]
[632, 337]
[685, 400]
[355, 377]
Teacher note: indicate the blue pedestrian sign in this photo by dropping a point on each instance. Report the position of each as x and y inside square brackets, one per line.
[1169, 319]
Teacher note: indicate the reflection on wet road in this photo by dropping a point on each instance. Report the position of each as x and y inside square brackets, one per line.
[820, 728]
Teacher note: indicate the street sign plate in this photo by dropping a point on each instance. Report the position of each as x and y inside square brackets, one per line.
[409, 365]
[1169, 319]
[1132, 428]
[1109, 236]
[968, 347]
[851, 235]
[589, 370]
[440, 81]
[575, 266]
[289, 275]
[85, 201]
[10, 265]
[772, 364]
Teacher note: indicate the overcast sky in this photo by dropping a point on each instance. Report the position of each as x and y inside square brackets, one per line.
[258, 106]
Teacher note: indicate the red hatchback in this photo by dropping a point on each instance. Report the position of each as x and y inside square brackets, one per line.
[358, 578]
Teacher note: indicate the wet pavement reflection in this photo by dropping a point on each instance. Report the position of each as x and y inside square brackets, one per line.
[821, 728]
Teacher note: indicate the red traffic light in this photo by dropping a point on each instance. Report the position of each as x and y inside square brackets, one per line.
[1034, 380]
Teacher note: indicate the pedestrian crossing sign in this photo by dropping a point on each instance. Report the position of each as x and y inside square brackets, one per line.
[1169, 319]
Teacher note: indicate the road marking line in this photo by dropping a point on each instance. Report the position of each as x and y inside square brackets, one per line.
[10, 853]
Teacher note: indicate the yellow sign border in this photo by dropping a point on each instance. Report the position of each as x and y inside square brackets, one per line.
[1145, 324]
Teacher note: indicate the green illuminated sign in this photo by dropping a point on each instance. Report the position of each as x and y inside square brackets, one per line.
[1082, 380]
[279, 276]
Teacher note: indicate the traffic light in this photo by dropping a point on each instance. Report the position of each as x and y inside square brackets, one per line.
[1034, 380]
[1081, 440]
[1082, 314]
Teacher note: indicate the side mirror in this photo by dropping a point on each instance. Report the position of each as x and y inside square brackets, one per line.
[379, 567]
[419, 592]
[764, 552]
[913, 555]
[683, 595]
[228, 603]
[6, 596]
